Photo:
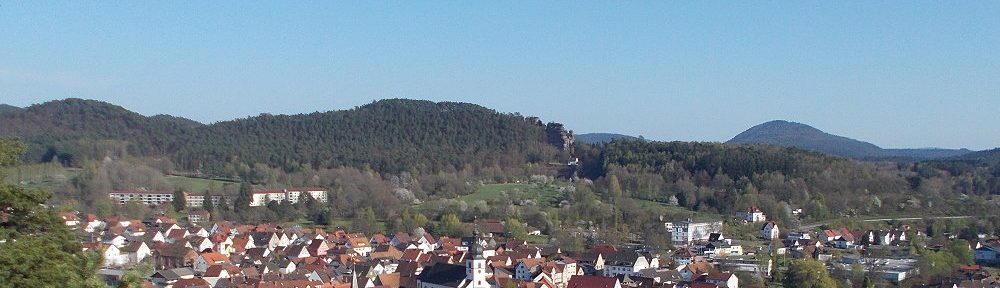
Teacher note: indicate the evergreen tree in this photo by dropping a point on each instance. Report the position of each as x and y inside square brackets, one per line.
[244, 197]
[209, 206]
[39, 250]
[179, 202]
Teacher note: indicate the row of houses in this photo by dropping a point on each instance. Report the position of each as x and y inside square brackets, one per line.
[260, 197]
[224, 254]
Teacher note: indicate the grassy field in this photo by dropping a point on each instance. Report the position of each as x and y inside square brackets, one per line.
[195, 184]
[537, 239]
[45, 176]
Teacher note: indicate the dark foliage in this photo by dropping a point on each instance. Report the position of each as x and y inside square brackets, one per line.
[387, 136]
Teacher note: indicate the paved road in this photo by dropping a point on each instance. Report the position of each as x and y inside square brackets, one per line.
[814, 225]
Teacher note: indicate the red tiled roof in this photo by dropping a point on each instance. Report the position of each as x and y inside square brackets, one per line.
[965, 267]
[587, 281]
[214, 258]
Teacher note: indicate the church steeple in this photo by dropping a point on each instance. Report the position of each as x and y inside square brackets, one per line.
[475, 263]
[476, 247]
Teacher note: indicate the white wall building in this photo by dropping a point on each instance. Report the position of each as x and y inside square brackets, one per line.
[687, 231]
[261, 197]
[752, 214]
[146, 197]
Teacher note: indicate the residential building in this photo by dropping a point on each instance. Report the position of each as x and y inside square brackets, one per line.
[629, 262]
[261, 197]
[752, 214]
[193, 200]
[588, 281]
[198, 216]
[726, 280]
[146, 197]
[769, 231]
[687, 231]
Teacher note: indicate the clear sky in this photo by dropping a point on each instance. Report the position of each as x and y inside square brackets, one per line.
[897, 74]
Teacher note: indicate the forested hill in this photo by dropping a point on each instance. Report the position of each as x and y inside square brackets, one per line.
[986, 157]
[597, 138]
[725, 178]
[388, 135]
[791, 134]
[72, 128]
[4, 108]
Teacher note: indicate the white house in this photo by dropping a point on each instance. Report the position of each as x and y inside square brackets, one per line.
[727, 280]
[795, 236]
[137, 251]
[201, 244]
[116, 240]
[205, 260]
[769, 230]
[360, 245]
[629, 263]
[751, 215]
[113, 256]
[215, 273]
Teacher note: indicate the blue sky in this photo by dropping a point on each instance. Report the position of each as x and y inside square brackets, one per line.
[897, 74]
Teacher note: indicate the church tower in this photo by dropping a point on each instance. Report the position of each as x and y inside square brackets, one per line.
[475, 264]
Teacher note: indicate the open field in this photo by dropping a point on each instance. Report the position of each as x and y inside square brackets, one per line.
[195, 184]
[44, 176]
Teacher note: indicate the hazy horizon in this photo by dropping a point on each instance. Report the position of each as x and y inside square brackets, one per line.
[895, 74]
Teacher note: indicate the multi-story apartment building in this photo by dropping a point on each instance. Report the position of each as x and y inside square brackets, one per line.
[687, 231]
[198, 200]
[146, 197]
[261, 197]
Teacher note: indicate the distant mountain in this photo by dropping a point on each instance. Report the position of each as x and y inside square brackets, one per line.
[990, 157]
[596, 138]
[792, 134]
[4, 108]
[386, 136]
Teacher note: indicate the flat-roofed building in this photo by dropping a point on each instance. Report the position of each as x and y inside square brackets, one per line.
[146, 197]
[262, 197]
[687, 231]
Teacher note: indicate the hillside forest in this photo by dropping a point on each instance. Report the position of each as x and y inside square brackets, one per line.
[396, 165]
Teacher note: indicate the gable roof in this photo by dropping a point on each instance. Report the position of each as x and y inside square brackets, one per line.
[174, 250]
[622, 258]
[192, 283]
[588, 281]
[173, 274]
[443, 274]
[214, 257]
